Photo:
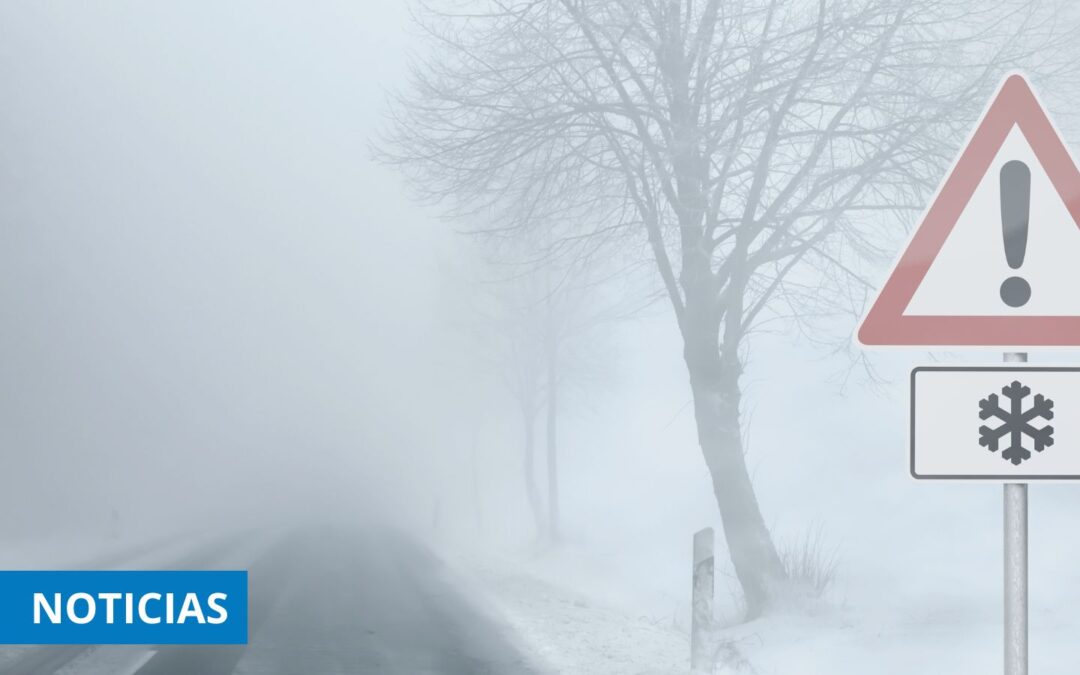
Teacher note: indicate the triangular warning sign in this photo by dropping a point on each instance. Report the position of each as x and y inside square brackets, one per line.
[996, 259]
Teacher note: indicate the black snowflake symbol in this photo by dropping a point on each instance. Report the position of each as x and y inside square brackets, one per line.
[1016, 422]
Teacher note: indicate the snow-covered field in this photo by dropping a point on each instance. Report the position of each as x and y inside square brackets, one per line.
[567, 624]
[567, 621]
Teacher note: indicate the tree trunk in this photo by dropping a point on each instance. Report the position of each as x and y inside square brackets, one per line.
[713, 365]
[714, 368]
[552, 440]
[714, 379]
[531, 490]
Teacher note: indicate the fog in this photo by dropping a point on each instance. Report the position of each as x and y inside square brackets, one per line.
[211, 295]
[234, 295]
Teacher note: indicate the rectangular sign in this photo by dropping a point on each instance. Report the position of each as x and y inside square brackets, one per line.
[999, 423]
[123, 607]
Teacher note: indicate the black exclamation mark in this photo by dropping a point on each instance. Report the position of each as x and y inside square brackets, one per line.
[1015, 207]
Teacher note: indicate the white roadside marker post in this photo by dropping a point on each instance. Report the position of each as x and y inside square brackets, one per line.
[701, 600]
[1016, 564]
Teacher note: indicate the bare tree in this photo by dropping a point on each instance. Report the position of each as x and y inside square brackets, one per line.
[757, 148]
[572, 316]
[512, 331]
[535, 324]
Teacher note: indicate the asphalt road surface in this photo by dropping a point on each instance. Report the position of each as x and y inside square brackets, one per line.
[323, 602]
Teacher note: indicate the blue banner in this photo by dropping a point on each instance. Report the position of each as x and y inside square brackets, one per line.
[124, 607]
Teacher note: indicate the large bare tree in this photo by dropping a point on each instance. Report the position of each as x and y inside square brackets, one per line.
[755, 149]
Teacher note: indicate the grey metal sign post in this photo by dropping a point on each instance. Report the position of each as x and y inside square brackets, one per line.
[1016, 579]
[1016, 567]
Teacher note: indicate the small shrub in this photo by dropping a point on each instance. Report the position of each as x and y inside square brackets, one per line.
[809, 561]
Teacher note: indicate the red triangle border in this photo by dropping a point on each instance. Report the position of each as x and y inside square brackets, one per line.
[886, 324]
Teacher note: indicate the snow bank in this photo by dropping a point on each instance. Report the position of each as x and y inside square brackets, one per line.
[571, 630]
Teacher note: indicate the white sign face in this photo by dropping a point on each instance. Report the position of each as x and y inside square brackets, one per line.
[999, 423]
[964, 278]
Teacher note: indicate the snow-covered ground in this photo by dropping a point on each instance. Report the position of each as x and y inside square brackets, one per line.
[572, 623]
